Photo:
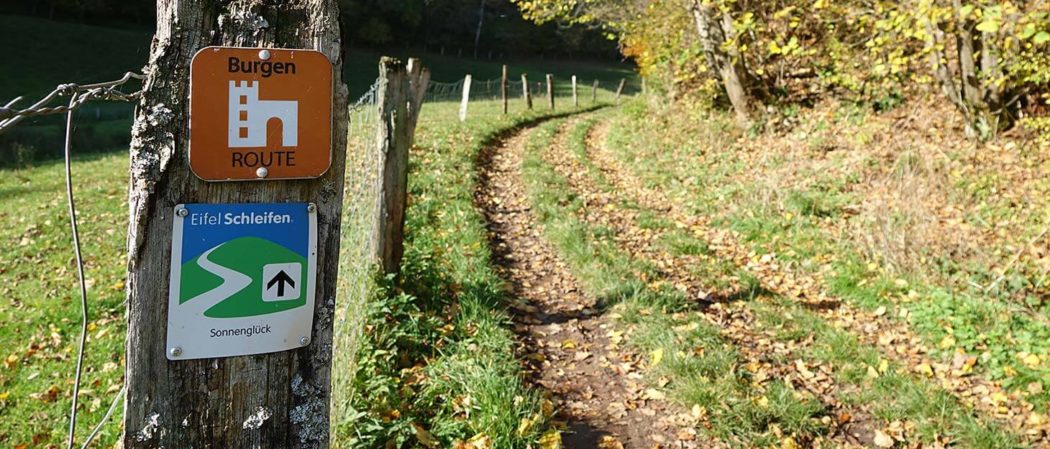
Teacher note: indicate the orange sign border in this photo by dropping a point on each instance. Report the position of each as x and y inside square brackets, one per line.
[269, 177]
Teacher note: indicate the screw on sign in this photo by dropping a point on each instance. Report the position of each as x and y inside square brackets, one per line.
[260, 114]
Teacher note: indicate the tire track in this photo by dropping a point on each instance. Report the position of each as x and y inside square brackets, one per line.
[766, 358]
[893, 339]
[565, 340]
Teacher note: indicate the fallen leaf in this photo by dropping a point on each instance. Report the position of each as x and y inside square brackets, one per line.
[1031, 360]
[550, 440]
[924, 369]
[882, 440]
[654, 394]
[424, 437]
[609, 442]
[657, 355]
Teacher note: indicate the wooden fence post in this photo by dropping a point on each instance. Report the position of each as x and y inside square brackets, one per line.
[503, 88]
[272, 400]
[575, 96]
[466, 99]
[550, 91]
[525, 93]
[401, 92]
[619, 90]
[594, 92]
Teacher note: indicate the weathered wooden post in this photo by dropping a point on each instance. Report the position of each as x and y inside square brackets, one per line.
[231, 285]
[619, 90]
[466, 99]
[594, 92]
[550, 91]
[525, 93]
[575, 95]
[503, 88]
[401, 92]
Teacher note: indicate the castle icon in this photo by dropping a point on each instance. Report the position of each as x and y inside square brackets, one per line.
[248, 117]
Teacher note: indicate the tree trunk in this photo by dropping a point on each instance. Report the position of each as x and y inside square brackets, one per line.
[477, 33]
[729, 68]
[208, 403]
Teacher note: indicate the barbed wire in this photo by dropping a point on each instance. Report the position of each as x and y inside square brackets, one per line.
[78, 96]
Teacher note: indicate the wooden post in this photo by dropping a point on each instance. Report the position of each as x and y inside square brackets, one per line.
[619, 90]
[274, 400]
[594, 92]
[575, 96]
[503, 88]
[401, 92]
[525, 93]
[550, 91]
[466, 99]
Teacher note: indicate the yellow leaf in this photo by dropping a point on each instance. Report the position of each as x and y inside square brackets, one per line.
[654, 394]
[698, 411]
[525, 426]
[547, 408]
[924, 369]
[884, 366]
[947, 342]
[1031, 360]
[657, 355]
[762, 401]
[1036, 419]
[872, 372]
[788, 443]
[568, 344]
[424, 437]
[551, 440]
[998, 397]
[4, 395]
[480, 441]
[608, 442]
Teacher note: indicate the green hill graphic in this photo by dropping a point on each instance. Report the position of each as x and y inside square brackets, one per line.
[246, 255]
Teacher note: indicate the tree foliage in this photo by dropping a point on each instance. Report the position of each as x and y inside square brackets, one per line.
[988, 58]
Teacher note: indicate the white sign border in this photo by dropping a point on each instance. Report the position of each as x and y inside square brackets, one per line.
[188, 337]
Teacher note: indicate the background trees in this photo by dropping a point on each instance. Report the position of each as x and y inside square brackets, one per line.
[987, 58]
[431, 25]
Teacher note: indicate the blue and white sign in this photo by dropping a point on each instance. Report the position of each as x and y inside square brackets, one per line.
[242, 279]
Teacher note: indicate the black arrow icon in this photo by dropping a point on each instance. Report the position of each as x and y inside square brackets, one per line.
[281, 279]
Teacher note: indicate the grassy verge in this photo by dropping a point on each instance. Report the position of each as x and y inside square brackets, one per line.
[39, 321]
[435, 363]
[906, 223]
[703, 368]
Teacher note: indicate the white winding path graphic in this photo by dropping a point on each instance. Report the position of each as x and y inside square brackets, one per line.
[232, 282]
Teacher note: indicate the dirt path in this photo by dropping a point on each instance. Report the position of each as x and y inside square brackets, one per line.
[763, 354]
[597, 390]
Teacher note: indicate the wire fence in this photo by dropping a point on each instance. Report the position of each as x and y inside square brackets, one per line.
[356, 267]
[10, 115]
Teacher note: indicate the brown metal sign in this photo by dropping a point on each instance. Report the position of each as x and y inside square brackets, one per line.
[259, 114]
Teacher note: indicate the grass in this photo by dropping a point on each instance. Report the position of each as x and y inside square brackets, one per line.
[703, 368]
[39, 323]
[871, 223]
